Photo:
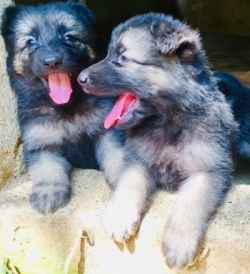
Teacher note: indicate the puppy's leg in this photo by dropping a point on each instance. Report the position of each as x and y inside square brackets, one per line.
[110, 153]
[123, 212]
[196, 201]
[50, 174]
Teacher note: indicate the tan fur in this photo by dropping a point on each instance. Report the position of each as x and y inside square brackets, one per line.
[139, 38]
[91, 52]
[51, 132]
[48, 168]
[25, 32]
[56, 18]
[110, 156]
[156, 77]
[123, 212]
[19, 62]
[183, 227]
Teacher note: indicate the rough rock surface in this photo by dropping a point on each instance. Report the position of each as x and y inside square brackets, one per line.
[38, 244]
[10, 147]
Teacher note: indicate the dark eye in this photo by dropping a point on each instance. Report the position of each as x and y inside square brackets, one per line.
[69, 39]
[31, 43]
[123, 59]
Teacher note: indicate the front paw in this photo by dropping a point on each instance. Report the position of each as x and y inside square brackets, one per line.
[120, 220]
[179, 246]
[47, 198]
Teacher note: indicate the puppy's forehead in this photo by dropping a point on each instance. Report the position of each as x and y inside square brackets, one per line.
[136, 41]
[48, 21]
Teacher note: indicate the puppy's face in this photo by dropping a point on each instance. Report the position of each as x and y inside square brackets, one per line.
[146, 65]
[52, 42]
[128, 71]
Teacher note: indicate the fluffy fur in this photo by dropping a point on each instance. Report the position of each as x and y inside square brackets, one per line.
[238, 96]
[179, 130]
[45, 41]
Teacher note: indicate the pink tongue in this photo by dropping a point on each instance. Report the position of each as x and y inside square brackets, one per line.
[122, 104]
[60, 87]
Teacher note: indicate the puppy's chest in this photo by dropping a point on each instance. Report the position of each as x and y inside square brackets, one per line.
[170, 163]
[162, 159]
[48, 126]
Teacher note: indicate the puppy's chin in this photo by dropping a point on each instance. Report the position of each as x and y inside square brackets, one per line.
[131, 121]
[126, 124]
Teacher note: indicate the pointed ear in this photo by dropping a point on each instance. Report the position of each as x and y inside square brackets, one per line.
[8, 17]
[83, 12]
[175, 37]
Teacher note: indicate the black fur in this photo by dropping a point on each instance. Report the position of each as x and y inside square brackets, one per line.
[180, 130]
[40, 41]
[238, 96]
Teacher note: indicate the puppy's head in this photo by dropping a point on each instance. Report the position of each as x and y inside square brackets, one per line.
[152, 61]
[52, 42]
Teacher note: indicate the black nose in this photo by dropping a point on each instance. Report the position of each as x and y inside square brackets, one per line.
[52, 62]
[83, 78]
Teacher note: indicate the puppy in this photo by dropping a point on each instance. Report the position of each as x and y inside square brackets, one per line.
[179, 129]
[61, 127]
[238, 96]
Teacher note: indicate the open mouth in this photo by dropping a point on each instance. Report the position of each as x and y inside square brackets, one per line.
[59, 87]
[122, 110]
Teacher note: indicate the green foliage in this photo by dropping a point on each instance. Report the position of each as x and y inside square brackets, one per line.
[5, 268]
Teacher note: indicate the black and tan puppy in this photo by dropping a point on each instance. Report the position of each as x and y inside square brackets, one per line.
[179, 129]
[48, 46]
[238, 96]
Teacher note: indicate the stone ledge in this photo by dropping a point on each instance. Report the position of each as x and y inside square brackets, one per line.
[38, 244]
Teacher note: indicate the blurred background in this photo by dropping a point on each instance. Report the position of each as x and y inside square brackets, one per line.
[224, 25]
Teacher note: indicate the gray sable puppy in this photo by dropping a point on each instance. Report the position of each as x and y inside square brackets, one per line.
[179, 129]
[61, 127]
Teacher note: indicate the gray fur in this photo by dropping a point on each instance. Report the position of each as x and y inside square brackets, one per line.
[56, 137]
[180, 134]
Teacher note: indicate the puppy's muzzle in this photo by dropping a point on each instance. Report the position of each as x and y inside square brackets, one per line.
[52, 62]
[83, 78]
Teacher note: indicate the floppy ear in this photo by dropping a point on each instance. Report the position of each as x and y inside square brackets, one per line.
[175, 37]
